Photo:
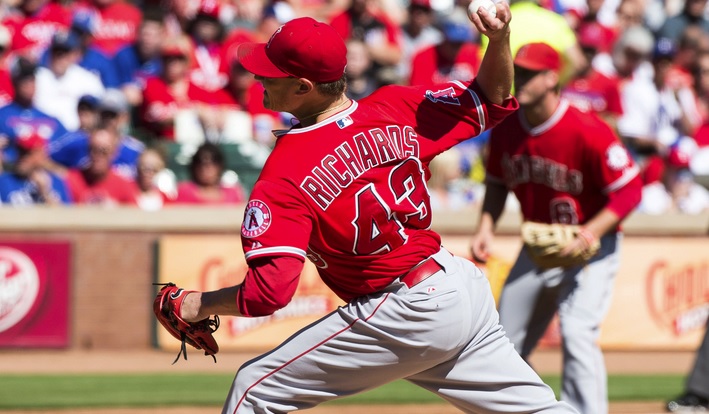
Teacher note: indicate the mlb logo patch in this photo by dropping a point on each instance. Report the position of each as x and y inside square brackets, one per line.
[344, 122]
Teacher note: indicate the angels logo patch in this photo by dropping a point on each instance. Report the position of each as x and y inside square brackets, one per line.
[617, 157]
[257, 219]
[446, 96]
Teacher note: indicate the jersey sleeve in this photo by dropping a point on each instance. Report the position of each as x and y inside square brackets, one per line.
[276, 222]
[448, 113]
[269, 285]
[609, 161]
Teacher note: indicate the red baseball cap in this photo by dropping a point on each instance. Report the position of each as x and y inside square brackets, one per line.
[301, 48]
[538, 57]
[594, 36]
[209, 8]
[31, 142]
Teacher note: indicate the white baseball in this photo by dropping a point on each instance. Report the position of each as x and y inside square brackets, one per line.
[475, 5]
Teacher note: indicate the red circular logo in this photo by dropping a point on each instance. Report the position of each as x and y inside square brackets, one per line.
[19, 286]
[257, 219]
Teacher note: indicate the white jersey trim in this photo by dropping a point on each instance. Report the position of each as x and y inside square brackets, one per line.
[624, 179]
[270, 251]
[330, 120]
[549, 123]
[478, 104]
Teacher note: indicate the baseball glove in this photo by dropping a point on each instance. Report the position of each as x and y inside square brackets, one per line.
[167, 307]
[544, 243]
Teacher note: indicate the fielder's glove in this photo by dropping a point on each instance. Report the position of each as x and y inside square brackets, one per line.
[545, 242]
[167, 307]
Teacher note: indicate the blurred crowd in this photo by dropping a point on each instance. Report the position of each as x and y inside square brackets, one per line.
[94, 93]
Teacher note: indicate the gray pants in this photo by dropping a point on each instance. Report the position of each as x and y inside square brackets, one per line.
[442, 334]
[698, 381]
[582, 296]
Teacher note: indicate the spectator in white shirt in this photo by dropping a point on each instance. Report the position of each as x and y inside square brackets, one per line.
[64, 82]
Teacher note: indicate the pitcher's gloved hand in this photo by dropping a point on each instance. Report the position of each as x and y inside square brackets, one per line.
[167, 307]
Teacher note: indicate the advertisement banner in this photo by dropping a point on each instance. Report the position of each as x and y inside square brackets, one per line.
[34, 294]
[213, 262]
[660, 299]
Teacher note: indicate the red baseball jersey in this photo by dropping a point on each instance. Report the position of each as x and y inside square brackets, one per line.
[595, 93]
[350, 192]
[563, 170]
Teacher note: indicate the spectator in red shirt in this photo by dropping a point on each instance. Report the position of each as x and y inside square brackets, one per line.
[205, 186]
[117, 23]
[33, 23]
[97, 183]
[241, 116]
[588, 20]
[207, 33]
[590, 90]
[172, 98]
[454, 58]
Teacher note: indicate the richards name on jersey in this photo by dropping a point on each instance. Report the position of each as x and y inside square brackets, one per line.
[354, 157]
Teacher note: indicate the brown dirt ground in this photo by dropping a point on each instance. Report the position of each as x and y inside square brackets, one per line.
[29, 361]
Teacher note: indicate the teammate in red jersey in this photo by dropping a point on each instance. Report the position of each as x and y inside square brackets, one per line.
[346, 188]
[565, 166]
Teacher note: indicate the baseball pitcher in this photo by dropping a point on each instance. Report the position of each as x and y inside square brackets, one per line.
[346, 189]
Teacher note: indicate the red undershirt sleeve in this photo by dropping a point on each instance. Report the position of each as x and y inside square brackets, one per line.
[625, 199]
[269, 285]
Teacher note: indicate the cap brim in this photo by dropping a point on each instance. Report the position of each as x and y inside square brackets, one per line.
[253, 58]
[530, 65]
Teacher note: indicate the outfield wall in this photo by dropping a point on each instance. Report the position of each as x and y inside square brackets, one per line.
[114, 255]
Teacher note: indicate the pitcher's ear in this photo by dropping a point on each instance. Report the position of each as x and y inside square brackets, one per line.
[305, 85]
